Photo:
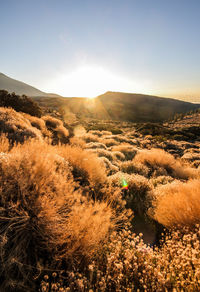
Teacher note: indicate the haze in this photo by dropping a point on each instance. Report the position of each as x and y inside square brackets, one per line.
[84, 48]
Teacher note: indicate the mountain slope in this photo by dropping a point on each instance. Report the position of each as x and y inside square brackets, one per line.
[143, 108]
[12, 85]
[110, 105]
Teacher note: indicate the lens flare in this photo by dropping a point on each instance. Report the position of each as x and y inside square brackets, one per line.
[124, 184]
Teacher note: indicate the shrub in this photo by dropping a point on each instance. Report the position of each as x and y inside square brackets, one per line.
[102, 153]
[95, 145]
[39, 124]
[138, 194]
[125, 263]
[4, 144]
[128, 150]
[16, 127]
[42, 217]
[90, 138]
[87, 169]
[52, 122]
[77, 142]
[162, 163]
[59, 134]
[111, 169]
[20, 103]
[177, 204]
[108, 142]
[118, 155]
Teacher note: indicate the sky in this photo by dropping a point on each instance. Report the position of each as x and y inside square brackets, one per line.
[87, 47]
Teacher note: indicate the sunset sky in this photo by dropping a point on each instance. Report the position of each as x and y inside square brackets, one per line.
[87, 47]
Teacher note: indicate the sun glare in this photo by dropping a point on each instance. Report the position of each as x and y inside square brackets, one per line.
[90, 81]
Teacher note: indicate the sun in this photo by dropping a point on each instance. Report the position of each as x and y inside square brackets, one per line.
[91, 81]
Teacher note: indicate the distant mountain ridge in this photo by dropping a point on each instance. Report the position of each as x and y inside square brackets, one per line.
[19, 87]
[110, 105]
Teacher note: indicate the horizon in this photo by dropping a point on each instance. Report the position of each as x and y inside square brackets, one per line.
[83, 49]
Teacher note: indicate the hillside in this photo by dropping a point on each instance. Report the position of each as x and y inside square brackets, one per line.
[120, 106]
[110, 105]
[142, 108]
[19, 87]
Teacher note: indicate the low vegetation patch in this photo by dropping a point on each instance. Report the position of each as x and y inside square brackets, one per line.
[97, 211]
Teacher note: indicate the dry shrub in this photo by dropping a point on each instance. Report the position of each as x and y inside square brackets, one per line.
[191, 156]
[138, 195]
[161, 180]
[16, 127]
[77, 142]
[108, 142]
[39, 124]
[124, 139]
[127, 264]
[118, 155]
[106, 133]
[160, 162]
[90, 138]
[111, 168]
[59, 134]
[87, 169]
[178, 204]
[96, 133]
[4, 143]
[128, 150]
[131, 167]
[102, 153]
[94, 145]
[42, 217]
[52, 122]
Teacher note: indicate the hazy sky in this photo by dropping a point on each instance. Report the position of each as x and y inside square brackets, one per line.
[87, 47]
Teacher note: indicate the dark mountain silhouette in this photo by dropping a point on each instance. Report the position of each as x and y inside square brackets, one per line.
[120, 106]
[139, 107]
[110, 105]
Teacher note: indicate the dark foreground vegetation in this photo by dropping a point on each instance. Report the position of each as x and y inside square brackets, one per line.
[68, 224]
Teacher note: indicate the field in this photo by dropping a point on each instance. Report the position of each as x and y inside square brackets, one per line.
[99, 205]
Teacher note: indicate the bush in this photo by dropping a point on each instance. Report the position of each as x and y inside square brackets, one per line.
[20, 103]
[128, 150]
[160, 162]
[177, 204]
[42, 216]
[16, 127]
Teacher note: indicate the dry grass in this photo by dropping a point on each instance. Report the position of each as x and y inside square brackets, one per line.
[87, 169]
[77, 141]
[88, 137]
[102, 153]
[108, 142]
[52, 122]
[42, 216]
[95, 145]
[4, 144]
[128, 150]
[63, 207]
[130, 265]
[17, 127]
[160, 162]
[138, 194]
[178, 204]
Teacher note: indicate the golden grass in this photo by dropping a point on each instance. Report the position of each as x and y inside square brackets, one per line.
[128, 150]
[178, 204]
[41, 213]
[17, 127]
[164, 163]
[4, 144]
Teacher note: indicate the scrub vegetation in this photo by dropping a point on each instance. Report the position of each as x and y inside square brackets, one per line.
[68, 224]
